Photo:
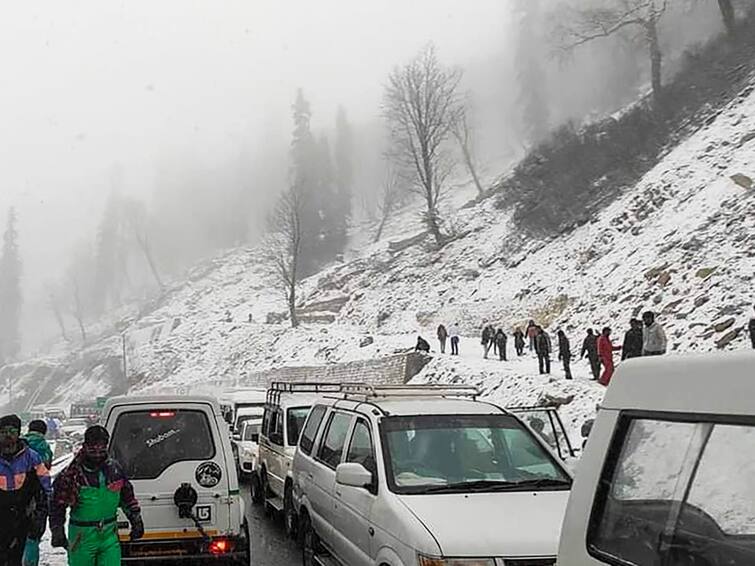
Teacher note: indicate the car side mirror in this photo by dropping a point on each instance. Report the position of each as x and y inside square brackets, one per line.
[256, 438]
[354, 475]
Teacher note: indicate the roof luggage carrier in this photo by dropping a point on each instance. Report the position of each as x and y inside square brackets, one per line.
[363, 391]
[277, 388]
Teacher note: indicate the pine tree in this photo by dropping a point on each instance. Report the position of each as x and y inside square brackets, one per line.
[344, 166]
[108, 263]
[10, 292]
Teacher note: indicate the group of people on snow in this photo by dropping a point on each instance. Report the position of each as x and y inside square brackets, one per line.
[93, 486]
[644, 337]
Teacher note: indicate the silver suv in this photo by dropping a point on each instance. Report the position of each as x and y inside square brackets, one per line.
[425, 475]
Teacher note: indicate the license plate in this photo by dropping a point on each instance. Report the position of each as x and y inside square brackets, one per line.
[204, 513]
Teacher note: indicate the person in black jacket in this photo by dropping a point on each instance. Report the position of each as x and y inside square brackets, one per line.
[543, 350]
[564, 353]
[500, 343]
[632, 347]
[422, 345]
[590, 347]
[519, 341]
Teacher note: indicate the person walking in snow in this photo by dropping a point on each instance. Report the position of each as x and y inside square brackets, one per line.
[751, 329]
[564, 353]
[590, 347]
[632, 347]
[543, 350]
[653, 336]
[442, 337]
[500, 342]
[24, 496]
[531, 333]
[453, 334]
[93, 486]
[605, 352]
[519, 341]
[35, 438]
[422, 345]
[487, 340]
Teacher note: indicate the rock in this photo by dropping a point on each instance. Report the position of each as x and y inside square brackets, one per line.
[552, 400]
[275, 317]
[407, 242]
[656, 271]
[657, 299]
[382, 317]
[727, 338]
[721, 326]
[671, 307]
[470, 274]
[705, 272]
[701, 300]
[366, 341]
[664, 278]
[742, 180]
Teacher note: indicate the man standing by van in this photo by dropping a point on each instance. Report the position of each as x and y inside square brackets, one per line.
[653, 336]
[24, 493]
[93, 486]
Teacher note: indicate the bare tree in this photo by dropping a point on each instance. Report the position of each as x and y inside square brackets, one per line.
[284, 246]
[54, 303]
[137, 218]
[462, 131]
[585, 24]
[77, 305]
[420, 106]
[389, 199]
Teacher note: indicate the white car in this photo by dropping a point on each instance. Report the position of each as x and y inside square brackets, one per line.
[75, 427]
[246, 446]
[235, 401]
[667, 472]
[177, 453]
[286, 410]
[425, 475]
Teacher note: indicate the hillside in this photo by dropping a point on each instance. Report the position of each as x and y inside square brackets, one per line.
[680, 241]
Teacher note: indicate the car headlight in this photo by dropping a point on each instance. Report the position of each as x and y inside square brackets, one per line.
[432, 561]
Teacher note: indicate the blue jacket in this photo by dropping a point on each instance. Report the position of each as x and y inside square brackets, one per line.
[24, 490]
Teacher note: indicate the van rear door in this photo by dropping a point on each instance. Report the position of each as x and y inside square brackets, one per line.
[164, 446]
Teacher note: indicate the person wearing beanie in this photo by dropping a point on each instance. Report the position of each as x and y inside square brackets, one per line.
[93, 486]
[35, 438]
[24, 494]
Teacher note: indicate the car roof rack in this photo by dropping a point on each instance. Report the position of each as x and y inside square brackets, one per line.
[277, 388]
[365, 391]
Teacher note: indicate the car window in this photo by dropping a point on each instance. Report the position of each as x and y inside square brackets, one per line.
[251, 429]
[295, 422]
[331, 447]
[276, 427]
[361, 450]
[671, 494]
[309, 433]
[146, 443]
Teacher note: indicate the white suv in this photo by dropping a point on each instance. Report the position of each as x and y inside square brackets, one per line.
[286, 409]
[177, 453]
[667, 473]
[425, 475]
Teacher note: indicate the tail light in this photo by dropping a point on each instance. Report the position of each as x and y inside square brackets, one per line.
[162, 414]
[220, 546]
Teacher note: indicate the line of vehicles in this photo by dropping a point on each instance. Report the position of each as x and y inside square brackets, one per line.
[435, 476]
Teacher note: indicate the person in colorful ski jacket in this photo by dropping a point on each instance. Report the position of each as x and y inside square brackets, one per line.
[35, 438]
[24, 493]
[93, 486]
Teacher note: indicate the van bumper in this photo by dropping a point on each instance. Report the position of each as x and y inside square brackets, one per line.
[185, 551]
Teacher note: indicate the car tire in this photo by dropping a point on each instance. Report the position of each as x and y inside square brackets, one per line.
[255, 486]
[290, 519]
[310, 542]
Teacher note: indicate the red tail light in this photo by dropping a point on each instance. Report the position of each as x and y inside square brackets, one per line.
[220, 546]
[162, 414]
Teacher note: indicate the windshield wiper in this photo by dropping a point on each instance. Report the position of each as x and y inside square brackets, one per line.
[495, 485]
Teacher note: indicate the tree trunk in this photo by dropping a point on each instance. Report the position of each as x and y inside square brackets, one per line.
[292, 306]
[472, 171]
[82, 329]
[61, 322]
[727, 13]
[651, 31]
[431, 220]
[144, 245]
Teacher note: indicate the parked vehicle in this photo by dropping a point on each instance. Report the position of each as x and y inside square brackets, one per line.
[246, 447]
[74, 428]
[427, 475]
[666, 475]
[55, 413]
[286, 409]
[88, 410]
[242, 401]
[177, 453]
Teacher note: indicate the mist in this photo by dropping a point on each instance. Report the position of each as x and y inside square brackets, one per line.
[181, 112]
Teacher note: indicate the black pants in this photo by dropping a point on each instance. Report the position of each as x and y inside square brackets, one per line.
[442, 345]
[502, 353]
[594, 366]
[12, 543]
[519, 349]
[454, 345]
[544, 361]
[567, 366]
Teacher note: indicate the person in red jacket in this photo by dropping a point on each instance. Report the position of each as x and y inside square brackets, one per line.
[605, 353]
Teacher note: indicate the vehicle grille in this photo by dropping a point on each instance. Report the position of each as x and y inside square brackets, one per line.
[529, 561]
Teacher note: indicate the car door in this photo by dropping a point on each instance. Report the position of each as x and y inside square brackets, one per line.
[276, 470]
[352, 527]
[546, 422]
[329, 455]
[160, 448]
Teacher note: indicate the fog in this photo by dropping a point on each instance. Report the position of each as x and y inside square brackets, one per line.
[186, 107]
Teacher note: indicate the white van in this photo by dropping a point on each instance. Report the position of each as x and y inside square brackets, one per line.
[425, 475]
[177, 453]
[668, 473]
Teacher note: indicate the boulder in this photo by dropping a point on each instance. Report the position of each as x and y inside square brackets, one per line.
[701, 300]
[366, 341]
[671, 307]
[727, 338]
[724, 325]
[742, 180]
[705, 272]
[554, 400]
[664, 278]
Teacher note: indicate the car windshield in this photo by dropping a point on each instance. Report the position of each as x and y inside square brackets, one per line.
[460, 453]
[296, 417]
[252, 429]
[145, 443]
